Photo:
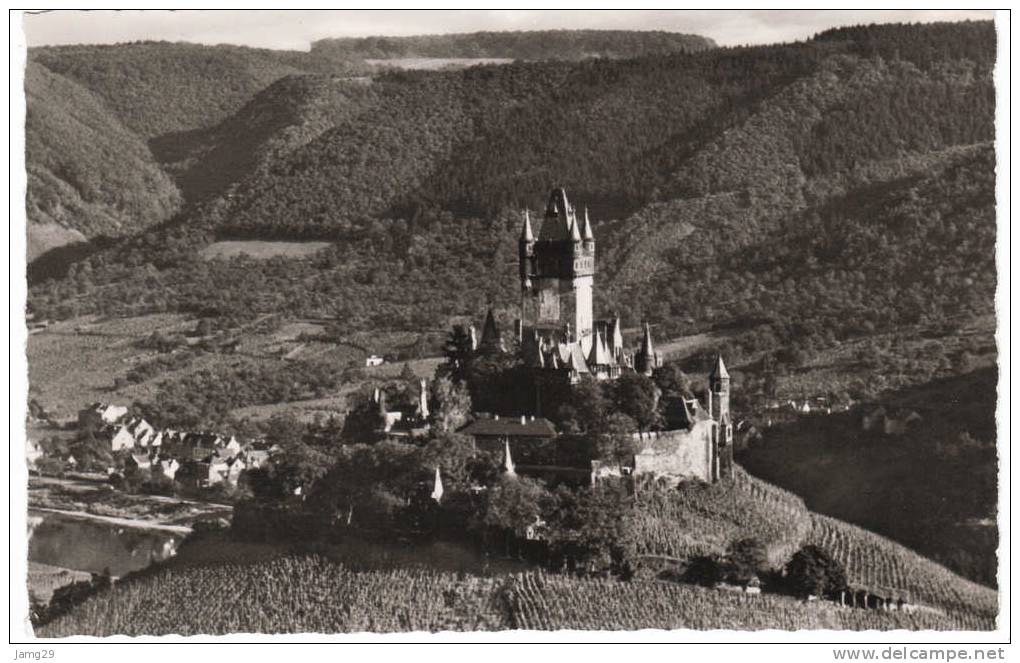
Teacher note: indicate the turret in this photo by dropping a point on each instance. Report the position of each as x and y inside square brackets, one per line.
[719, 385]
[646, 360]
[719, 409]
[491, 339]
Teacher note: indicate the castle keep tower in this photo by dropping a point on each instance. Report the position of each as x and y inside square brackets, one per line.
[557, 271]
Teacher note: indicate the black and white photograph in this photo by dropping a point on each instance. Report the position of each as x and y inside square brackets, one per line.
[510, 324]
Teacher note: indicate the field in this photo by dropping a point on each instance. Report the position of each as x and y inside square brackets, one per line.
[75, 362]
[704, 520]
[308, 594]
[261, 250]
[432, 64]
[83, 360]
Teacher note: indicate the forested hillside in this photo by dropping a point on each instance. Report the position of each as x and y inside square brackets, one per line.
[88, 175]
[814, 191]
[210, 114]
[536, 45]
[156, 88]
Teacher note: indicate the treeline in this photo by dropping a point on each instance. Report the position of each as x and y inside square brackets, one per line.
[530, 45]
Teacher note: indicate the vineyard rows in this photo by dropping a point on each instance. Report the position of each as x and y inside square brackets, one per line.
[888, 569]
[311, 594]
[546, 602]
[286, 595]
[702, 520]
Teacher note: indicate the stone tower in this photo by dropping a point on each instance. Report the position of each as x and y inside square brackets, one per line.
[646, 359]
[557, 271]
[722, 430]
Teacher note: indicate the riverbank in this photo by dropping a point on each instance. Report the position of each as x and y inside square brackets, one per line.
[92, 498]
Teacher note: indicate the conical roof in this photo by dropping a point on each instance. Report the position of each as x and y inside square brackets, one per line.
[526, 233]
[599, 355]
[719, 370]
[586, 231]
[646, 341]
[617, 338]
[490, 332]
[556, 225]
[508, 462]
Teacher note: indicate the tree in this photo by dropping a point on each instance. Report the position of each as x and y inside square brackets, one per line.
[638, 397]
[459, 355]
[364, 423]
[453, 454]
[705, 571]
[747, 558]
[672, 380]
[451, 404]
[614, 440]
[812, 571]
[515, 502]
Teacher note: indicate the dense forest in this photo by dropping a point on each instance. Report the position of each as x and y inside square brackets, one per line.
[782, 188]
[532, 45]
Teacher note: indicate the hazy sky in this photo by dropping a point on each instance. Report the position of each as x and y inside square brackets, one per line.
[297, 29]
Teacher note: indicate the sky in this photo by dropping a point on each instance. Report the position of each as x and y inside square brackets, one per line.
[295, 30]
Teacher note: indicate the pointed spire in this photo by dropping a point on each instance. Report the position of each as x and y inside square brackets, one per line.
[586, 231]
[646, 340]
[526, 233]
[719, 371]
[437, 487]
[575, 233]
[617, 337]
[599, 355]
[490, 332]
[508, 462]
[646, 361]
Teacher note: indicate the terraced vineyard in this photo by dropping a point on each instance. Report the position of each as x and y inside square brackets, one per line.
[884, 567]
[286, 595]
[701, 520]
[312, 594]
[544, 602]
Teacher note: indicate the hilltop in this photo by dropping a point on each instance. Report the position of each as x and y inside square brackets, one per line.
[521, 45]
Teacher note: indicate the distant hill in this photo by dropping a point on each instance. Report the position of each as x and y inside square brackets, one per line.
[813, 172]
[156, 88]
[525, 45]
[88, 175]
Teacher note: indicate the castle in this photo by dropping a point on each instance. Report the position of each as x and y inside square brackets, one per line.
[560, 340]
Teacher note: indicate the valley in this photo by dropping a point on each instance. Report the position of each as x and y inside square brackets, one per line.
[285, 250]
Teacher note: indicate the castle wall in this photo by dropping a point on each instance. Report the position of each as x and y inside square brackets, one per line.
[686, 453]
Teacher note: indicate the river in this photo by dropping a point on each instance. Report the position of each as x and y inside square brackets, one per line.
[84, 544]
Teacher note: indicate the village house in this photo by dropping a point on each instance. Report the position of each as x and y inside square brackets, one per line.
[100, 415]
